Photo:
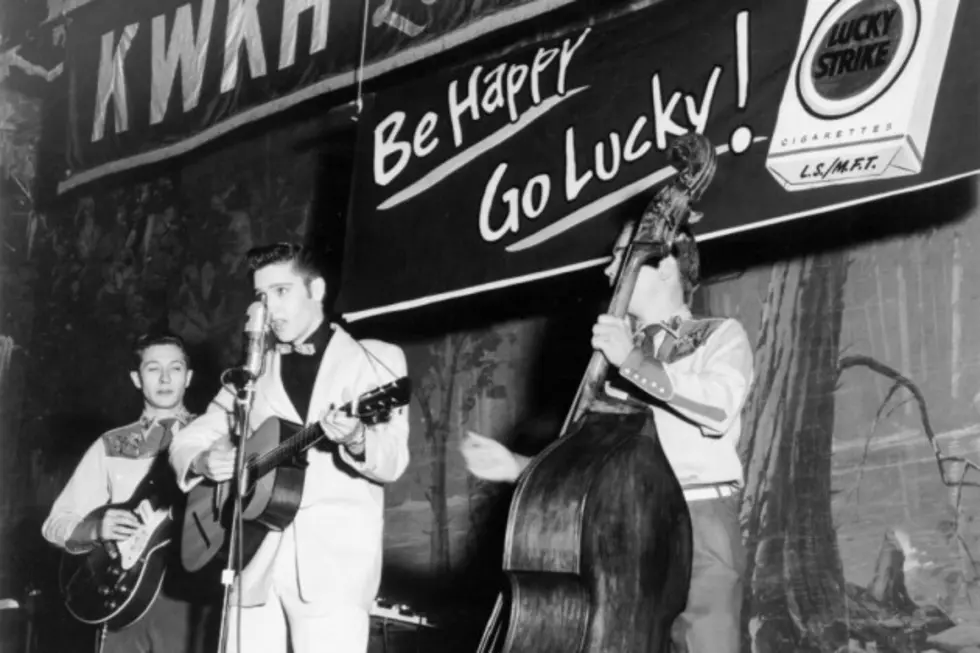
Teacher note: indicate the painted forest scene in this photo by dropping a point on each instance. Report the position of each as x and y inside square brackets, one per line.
[861, 440]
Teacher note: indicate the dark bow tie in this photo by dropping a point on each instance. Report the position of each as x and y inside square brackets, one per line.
[303, 348]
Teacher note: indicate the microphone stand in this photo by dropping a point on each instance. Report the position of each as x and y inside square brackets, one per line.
[244, 395]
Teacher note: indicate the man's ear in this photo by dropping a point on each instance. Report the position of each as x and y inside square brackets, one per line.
[318, 288]
[135, 376]
[190, 375]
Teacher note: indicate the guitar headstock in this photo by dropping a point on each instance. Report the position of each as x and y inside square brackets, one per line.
[375, 406]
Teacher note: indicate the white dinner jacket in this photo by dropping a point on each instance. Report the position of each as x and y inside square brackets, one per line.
[339, 525]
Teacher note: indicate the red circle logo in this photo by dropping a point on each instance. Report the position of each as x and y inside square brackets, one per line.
[856, 52]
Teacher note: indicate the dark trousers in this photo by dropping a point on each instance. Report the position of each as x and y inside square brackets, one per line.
[711, 621]
[170, 626]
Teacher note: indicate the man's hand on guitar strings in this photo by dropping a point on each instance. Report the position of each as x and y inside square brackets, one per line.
[343, 427]
[217, 463]
[117, 525]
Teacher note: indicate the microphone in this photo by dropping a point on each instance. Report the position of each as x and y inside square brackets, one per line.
[256, 334]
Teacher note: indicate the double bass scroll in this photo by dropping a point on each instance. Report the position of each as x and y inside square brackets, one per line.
[597, 555]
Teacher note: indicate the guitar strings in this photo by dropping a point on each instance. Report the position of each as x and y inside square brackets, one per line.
[295, 444]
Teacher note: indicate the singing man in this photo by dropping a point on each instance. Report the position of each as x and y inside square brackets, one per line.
[312, 583]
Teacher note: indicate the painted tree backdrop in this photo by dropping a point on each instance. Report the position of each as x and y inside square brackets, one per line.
[867, 370]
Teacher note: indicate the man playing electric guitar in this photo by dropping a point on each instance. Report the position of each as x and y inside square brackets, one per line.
[314, 581]
[111, 470]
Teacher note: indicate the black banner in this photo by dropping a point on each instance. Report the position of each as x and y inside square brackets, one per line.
[150, 79]
[513, 168]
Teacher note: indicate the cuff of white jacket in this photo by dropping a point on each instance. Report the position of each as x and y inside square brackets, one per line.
[183, 464]
[366, 461]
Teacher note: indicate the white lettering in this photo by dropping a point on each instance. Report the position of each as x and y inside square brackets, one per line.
[516, 77]
[493, 97]
[385, 15]
[663, 120]
[512, 222]
[112, 82]
[630, 152]
[601, 171]
[539, 185]
[291, 11]
[422, 132]
[385, 145]
[457, 108]
[573, 183]
[242, 27]
[186, 49]
[698, 116]
[566, 58]
[542, 58]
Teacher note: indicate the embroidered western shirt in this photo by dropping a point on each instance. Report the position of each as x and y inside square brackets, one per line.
[109, 472]
[695, 375]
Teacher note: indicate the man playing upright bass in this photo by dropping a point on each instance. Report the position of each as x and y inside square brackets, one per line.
[694, 374]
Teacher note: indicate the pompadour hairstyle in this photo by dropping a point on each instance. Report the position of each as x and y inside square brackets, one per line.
[266, 255]
[153, 338]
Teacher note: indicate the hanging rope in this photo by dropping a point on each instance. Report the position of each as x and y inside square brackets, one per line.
[359, 73]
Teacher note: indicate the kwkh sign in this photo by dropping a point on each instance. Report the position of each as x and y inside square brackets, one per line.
[187, 49]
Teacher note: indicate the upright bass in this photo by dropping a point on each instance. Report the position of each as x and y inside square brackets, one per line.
[597, 554]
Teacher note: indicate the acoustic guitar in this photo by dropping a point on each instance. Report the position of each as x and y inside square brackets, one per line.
[275, 472]
[117, 582]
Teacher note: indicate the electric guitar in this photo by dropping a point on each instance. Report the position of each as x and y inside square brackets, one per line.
[117, 582]
[275, 474]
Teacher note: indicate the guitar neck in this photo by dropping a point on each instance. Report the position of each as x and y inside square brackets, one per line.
[375, 403]
[285, 451]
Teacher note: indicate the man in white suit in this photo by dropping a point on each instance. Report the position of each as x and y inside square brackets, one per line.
[314, 582]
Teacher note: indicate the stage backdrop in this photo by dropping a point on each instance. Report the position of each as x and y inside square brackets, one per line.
[510, 169]
[861, 436]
